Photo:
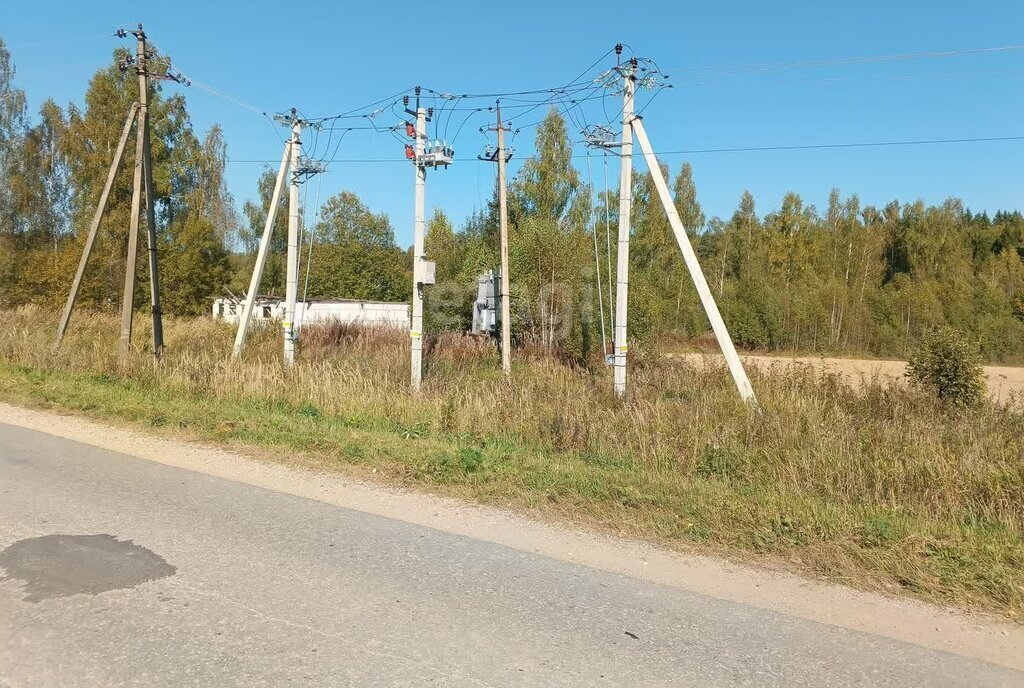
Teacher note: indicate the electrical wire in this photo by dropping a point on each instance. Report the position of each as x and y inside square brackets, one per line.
[746, 149]
[800, 64]
[597, 259]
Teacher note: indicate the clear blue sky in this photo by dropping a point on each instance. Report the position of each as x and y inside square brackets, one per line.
[327, 57]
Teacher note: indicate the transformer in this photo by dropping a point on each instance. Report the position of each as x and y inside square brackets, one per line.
[485, 308]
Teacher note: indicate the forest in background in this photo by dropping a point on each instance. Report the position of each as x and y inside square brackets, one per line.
[848, 278]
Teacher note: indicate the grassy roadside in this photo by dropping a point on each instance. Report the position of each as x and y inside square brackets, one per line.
[878, 488]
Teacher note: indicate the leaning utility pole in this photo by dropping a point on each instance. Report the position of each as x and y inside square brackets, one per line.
[633, 124]
[143, 168]
[142, 183]
[291, 163]
[69, 306]
[501, 156]
[621, 345]
[732, 359]
[438, 155]
[261, 255]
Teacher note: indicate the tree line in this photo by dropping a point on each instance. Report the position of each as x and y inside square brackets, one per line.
[851, 278]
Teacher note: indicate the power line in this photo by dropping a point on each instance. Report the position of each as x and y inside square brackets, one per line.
[854, 77]
[796, 64]
[744, 149]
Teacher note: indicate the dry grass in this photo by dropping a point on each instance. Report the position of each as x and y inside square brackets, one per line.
[879, 485]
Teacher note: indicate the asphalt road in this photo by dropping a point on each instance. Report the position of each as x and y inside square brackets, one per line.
[118, 571]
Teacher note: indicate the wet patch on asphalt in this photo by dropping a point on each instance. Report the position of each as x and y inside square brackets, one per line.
[63, 565]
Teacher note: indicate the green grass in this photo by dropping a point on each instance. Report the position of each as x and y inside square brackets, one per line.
[879, 487]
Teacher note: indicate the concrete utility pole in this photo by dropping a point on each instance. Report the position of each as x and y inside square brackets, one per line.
[416, 331]
[437, 154]
[261, 256]
[502, 156]
[154, 266]
[739, 375]
[292, 283]
[621, 345]
[506, 318]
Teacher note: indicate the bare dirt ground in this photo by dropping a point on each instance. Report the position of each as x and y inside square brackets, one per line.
[968, 635]
[1002, 380]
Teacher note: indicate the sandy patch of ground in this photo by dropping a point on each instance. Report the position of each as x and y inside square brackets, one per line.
[1002, 380]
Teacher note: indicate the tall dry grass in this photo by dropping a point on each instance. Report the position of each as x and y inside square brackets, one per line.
[880, 478]
[880, 444]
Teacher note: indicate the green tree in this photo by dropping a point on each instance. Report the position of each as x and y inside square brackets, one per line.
[549, 213]
[354, 255]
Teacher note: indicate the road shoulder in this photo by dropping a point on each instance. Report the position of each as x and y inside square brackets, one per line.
[967, 635]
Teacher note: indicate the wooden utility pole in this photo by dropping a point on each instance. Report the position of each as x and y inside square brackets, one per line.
[437, 154]
[502, 156]
[143, 176]
[142, 183]
[94, 226]
[416, 329]
[128, 296]
[154, 265]
[506, 318]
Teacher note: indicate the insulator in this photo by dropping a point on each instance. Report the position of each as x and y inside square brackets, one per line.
[618, 48]
[405, 100]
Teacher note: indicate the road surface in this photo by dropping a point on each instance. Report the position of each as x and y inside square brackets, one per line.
[121, 571]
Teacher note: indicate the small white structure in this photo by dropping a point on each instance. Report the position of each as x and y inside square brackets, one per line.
[267, 308]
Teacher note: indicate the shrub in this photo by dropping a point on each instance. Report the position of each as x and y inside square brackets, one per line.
[948, 364]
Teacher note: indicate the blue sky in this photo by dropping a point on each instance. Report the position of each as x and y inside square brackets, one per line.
[330, 57]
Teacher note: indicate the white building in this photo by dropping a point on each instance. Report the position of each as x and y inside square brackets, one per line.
[336, 310]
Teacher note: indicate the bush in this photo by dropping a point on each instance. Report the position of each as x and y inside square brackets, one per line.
[950, 365]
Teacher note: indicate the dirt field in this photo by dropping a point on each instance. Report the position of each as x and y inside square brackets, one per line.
[1002, 380]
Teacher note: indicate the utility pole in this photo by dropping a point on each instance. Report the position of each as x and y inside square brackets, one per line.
[128, 297]
[292, 276]
[633, 124]
[416, 330]
[142, 183]
[94, 226]
[300, 170]
[732, 359]
[438, 154]
[621, 345]
[502, 156]
[261, 255]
